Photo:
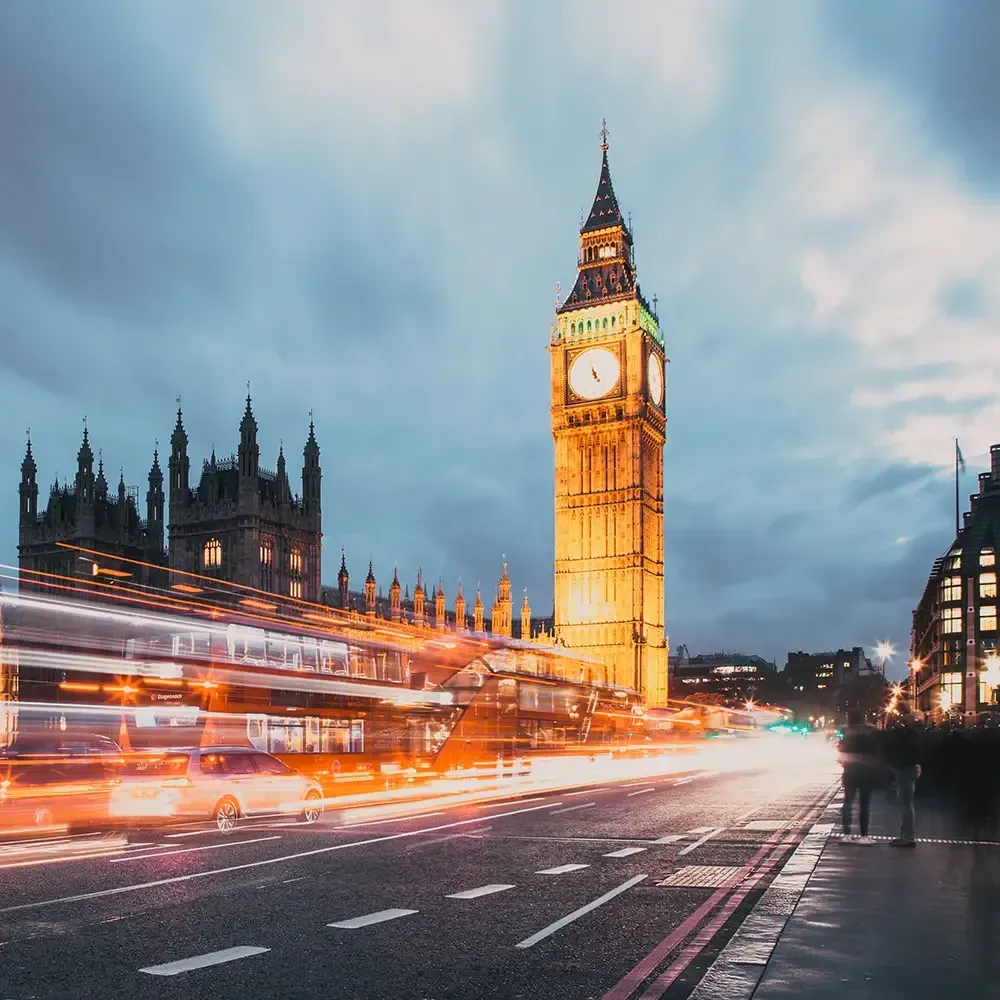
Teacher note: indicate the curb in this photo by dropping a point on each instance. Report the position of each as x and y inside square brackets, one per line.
[737, 971]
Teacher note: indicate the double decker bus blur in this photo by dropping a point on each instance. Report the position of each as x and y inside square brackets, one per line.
[344, 699]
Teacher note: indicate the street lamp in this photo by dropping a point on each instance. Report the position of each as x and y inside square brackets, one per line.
[990, 675]
[884, 651]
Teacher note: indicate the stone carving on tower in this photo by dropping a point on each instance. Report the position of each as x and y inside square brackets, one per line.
[609, 428]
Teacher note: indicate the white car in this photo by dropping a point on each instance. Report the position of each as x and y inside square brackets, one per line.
[219, 783]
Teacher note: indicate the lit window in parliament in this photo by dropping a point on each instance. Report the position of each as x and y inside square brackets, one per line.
[212, 553]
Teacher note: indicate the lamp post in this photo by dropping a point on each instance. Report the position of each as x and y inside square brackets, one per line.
[915, 666]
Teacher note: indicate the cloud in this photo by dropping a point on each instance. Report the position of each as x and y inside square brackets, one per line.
[887, 480]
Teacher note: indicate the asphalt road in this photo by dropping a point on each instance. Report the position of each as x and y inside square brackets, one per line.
[592, 893]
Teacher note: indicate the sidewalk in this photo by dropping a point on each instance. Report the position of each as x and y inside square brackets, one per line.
[875, 922]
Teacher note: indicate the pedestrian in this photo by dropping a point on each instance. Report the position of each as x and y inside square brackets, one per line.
[902, 747]
[859, 756]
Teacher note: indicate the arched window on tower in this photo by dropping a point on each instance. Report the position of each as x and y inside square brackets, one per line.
[212, 553]
[295, 560]
[266, 552]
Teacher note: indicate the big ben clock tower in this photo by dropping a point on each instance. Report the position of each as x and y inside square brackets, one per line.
[609, 427]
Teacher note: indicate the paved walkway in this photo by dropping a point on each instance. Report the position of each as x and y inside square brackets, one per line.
[879, 922]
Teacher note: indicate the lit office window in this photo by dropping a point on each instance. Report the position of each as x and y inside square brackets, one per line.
[951, 620]
[951, 588]
[988, 617]
[987, 558]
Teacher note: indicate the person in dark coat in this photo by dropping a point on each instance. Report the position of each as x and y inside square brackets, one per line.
[902, 748]
[859, 756]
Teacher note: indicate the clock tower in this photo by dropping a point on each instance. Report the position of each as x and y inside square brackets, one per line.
[609, 428]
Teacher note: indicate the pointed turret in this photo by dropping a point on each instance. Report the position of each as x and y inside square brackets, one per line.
[101, 484]
[418, 600]
[439, 615]
[180, 465]
[606, 263]
[284, 489]
[502, 613]
[370, 591]
[604, 213]
[29, 488]
[155, 501]
[311, 475]
[477, 612]
[395, 611]
[460, 608]
[344, 582]
[525, 617]
[85, 470]
[249, 453]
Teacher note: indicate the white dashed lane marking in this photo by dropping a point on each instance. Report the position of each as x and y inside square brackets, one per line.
[641, 791]
[701, 840]
[203, 961]
[670, 838]
[483, 890]
[561, 869]
[372, 918]
[569, 809]
[191, 850]
[625, 852]
[576, 914]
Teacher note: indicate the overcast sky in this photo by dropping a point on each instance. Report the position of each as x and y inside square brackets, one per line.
[365, 208]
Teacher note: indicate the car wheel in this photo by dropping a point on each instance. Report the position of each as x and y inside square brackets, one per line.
[43, 817]
[227, 815]
[313, 808]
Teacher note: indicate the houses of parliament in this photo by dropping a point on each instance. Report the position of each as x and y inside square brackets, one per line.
[243, 524]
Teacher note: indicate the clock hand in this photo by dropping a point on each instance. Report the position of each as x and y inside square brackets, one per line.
[593, 371]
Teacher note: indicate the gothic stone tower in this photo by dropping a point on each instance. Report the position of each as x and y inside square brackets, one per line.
[609, 428]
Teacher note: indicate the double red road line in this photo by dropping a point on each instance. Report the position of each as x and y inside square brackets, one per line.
[725, 900]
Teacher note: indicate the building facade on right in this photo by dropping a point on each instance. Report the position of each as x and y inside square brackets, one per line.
[954, 667]
[609, 429]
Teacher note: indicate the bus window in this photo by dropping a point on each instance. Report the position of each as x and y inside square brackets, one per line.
[286, 735]
[312, 735]
[335, 736]
[245, 645]
[310, 655]
[358, 736]
[362, 663]
[257, 731]
[393, 668]
[333, 658]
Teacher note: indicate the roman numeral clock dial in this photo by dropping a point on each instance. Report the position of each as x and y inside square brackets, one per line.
[594, 373]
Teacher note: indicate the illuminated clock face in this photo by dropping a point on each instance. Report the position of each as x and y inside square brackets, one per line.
[594, 373]
[654, 374]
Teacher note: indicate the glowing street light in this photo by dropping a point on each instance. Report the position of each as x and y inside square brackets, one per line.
[884, 651]
[991, 672]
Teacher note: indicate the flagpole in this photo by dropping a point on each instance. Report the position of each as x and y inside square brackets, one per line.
[956, 487]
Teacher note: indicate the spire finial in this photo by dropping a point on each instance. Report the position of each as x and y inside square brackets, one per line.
[85, 427]
[604, 135]
[656, 299]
